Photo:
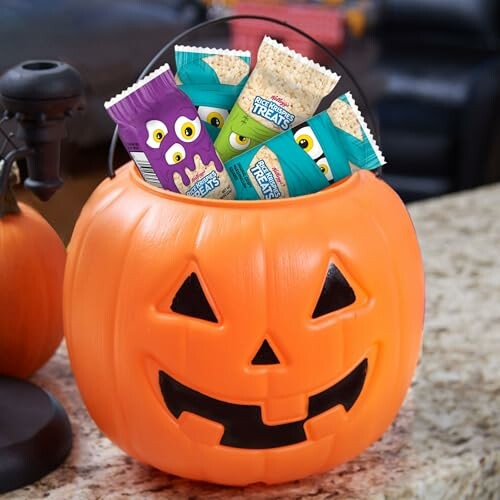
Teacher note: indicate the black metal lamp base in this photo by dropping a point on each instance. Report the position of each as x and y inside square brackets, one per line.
[35, 433]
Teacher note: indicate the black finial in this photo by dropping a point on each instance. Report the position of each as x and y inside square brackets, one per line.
[41, 94]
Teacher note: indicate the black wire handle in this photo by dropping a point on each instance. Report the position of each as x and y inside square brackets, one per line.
[9, 152]
[221, 20]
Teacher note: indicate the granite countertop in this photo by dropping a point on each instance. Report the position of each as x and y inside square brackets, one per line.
[445, 443]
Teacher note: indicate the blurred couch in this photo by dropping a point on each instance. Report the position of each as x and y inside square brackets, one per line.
[439, 108]
[109, 42]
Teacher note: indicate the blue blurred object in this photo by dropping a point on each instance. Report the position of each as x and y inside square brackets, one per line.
[108, 42]
[440, 105]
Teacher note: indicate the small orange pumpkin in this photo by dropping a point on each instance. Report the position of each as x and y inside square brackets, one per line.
[238, 342]
[32, 260]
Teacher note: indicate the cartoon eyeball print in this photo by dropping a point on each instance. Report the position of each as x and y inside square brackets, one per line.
[187, 130]
[307, 140]
[215, 116]
[239, 142]
[157, 131]
[175, 154]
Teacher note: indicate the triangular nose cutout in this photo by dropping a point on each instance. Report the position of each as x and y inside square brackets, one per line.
[265, 355]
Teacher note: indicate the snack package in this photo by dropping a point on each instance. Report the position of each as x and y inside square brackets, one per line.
[283, 90]
[160, 128]
[212, 79]
[325, 149]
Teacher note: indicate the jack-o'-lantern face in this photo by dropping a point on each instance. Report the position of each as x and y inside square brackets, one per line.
[244, 341]
[243, 423]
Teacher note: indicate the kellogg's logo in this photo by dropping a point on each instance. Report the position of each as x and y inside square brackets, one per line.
[280, 101]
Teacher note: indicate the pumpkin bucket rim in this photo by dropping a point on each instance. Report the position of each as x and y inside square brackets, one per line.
[334, 190]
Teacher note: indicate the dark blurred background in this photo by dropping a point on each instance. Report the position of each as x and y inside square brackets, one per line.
[430, 70]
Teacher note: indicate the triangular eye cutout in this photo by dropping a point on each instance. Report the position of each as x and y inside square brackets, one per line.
[190, 300]
[265, 355]
[336, 293]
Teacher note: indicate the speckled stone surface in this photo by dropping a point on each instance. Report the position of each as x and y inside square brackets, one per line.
[444, 444]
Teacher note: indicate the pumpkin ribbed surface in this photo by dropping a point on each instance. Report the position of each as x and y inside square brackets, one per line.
[238, 342]
[32, 259]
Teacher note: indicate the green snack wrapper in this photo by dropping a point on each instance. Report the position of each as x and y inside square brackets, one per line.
[325, 149]
[213, 79]
[283, 90]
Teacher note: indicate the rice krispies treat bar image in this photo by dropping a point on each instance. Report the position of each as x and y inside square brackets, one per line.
[213, 79]
[229, 66]
[293, 81]
[283, 90]
[270, 186]
[344, 117]
[361, 148]
[206, 182]
[229, 69]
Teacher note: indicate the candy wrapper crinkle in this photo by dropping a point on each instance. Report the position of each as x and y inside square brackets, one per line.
[160, 128]
[325, 149]
[213, 79]
[283, 90]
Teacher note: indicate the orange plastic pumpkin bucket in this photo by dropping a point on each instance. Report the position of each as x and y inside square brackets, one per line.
[239, 342]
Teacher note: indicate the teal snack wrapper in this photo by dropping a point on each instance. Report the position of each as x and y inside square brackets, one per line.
[213, 79]
[283, 90]
[325, 149]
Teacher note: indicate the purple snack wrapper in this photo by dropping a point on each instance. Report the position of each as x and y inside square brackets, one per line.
[160, 128]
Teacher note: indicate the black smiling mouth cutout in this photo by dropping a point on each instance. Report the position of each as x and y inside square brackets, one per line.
[243, 425]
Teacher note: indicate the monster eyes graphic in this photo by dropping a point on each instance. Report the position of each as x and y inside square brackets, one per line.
[175, 154]
[157, 130]
[214, 116]
[325, 168]
[239, 142]
[307, 140]
[187, 130]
